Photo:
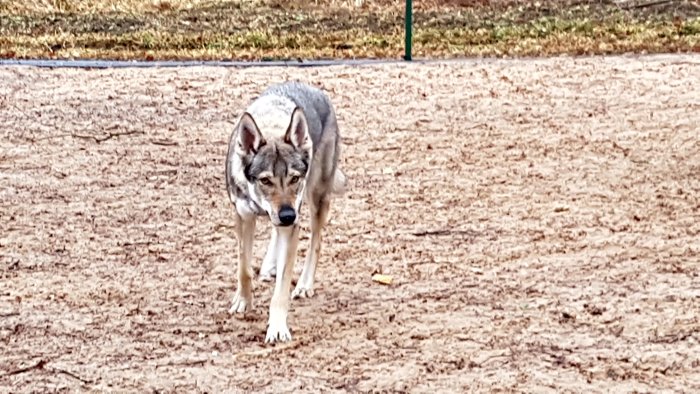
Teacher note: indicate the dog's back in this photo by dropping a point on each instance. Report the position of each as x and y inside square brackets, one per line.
[316, 105]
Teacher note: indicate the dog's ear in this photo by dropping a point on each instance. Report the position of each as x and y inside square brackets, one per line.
[298, 131]
[249, 137]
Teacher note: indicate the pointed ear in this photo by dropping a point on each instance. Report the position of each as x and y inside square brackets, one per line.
[298, 131]
[249, 137]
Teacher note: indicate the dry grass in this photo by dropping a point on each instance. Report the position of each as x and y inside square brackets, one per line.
[97, 6]
[271, 29]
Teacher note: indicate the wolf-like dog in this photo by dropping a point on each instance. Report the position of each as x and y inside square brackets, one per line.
[284, 150]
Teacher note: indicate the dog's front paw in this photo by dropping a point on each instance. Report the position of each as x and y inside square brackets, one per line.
[241, 303]
[268, 271]
[277, 331]
[302, 292]
[267, 276]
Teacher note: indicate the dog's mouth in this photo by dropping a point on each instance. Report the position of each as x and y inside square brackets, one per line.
[278, 223]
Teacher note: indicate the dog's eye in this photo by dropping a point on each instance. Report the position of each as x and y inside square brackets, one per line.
[266, 181]
[294, 180]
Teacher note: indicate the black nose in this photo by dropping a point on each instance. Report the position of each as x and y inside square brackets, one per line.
[287, 215]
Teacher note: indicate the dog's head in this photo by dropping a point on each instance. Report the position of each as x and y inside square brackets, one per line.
[276, 169]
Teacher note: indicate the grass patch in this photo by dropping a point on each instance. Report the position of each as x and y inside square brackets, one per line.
[308, 29]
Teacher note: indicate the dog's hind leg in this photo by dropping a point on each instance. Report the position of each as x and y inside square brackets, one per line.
[319, 214]
[245, 229]
[268, 268]
[287, 242]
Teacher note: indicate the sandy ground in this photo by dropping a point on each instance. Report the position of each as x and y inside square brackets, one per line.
[541, 220]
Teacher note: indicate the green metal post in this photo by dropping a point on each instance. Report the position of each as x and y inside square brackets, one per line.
[409, 29]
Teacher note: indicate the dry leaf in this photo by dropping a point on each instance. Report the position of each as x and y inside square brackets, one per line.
[383, 279]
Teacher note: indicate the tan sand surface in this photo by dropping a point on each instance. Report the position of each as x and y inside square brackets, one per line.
[540, 218]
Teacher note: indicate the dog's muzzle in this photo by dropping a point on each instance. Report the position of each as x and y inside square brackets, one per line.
[287, 215]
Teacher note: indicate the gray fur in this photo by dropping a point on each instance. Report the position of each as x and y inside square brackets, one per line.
[320, 116]
[278, 159]
[323, 131]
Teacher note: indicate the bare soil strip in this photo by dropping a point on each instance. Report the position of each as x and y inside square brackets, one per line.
[541, 221]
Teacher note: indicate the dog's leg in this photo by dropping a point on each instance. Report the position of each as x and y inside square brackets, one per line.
[268, 269]
[243, 300]
[319, 214]
[287, 242]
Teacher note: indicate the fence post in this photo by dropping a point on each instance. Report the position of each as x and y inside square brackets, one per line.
[409, 29]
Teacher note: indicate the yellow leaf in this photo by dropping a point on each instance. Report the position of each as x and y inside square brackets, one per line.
[383, 279]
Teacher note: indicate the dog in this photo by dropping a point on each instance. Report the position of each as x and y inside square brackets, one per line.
[284, 150]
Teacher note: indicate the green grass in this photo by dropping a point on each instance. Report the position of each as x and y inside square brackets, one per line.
[271, 29]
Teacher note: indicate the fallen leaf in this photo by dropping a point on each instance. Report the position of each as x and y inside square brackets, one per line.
[383, 279]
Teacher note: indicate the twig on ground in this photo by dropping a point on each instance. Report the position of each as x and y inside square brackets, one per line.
[9, 314]
[438, 295]
[475, 126]
[72, 375]
[50, 137]
[443, 232]
[220, 226]
[164, 142]
[39, 365]
[363, 232]
[192, 303]
[188, 363]
[376, 149]
[96, 138]
[107, 136]
[465, 338]
[672, 338]
[269, 350]
[412, 264]
[487, 359]
[625, 151]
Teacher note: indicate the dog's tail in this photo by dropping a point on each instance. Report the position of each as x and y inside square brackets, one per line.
[340, 182]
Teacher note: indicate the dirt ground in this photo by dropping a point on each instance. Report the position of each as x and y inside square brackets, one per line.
[541, 220]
